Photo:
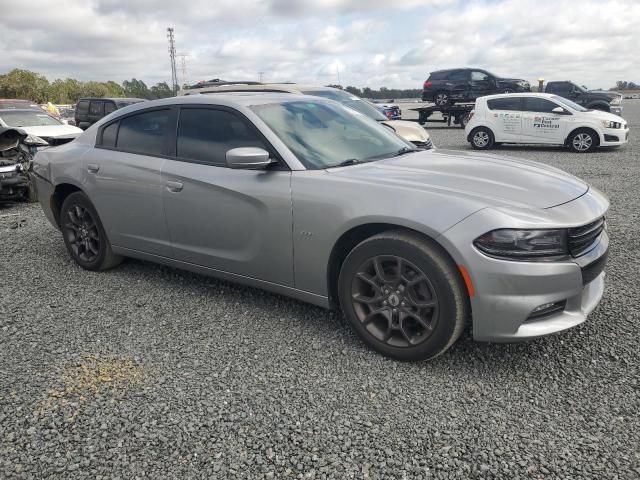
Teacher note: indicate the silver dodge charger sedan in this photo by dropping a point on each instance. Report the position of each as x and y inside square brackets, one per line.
[303, 197]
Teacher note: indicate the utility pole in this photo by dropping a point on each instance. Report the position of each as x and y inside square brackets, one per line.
[261, 74]
[172, 56]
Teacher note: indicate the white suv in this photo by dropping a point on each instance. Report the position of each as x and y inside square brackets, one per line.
[541, 118]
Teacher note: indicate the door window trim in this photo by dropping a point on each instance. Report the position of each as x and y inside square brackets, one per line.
[280, 162]
[171, 129]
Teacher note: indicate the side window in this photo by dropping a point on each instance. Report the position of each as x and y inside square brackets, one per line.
[477, 76]
[510, 103]
[205, 135]
[458, 75]
[144, 133]
[82, 108]
[96, 108]
[109, 107]
[542, 105]
[109, 135]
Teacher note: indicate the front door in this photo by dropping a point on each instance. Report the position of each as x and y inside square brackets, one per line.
[236, 221]
[540, 124]
[481, 84]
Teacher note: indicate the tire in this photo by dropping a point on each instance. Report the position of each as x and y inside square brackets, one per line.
[463, 120]
[482, 138]
[442, 99]
[583, 140]
[391, 312]
[84, 236]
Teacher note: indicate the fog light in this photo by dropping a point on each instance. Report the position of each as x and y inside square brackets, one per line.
[547, 309]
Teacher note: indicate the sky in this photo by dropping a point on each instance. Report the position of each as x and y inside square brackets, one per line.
[392, 43]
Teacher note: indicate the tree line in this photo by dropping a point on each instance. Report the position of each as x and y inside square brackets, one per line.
[30, 85]
[625, 85]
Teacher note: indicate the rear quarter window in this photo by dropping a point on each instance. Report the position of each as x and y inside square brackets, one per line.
[438, 75]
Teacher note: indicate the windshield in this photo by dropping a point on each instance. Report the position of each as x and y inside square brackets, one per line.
[351, 101]
[28, 119]
[570, 104]
[324, 134]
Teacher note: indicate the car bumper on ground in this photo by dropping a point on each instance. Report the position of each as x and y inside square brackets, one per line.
[508, 293]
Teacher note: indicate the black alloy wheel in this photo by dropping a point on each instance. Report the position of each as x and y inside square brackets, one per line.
[83, 234]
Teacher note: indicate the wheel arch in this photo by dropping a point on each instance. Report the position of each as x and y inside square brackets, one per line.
[474, 129]
[355, 235]
[60, 193]
[582, 127]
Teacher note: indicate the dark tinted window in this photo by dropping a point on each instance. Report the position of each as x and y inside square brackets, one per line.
[82, 108]
[532, 104]
[510, 103]
[205, 135]
[109, 107]
[144, 132]
[96, 108]
[439, 75]
[109, 135]
[478, 76]
[458, 75]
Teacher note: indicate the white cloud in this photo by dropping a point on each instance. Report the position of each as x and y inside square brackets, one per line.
[371, 42]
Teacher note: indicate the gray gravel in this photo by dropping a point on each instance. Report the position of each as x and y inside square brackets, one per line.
[146, 371]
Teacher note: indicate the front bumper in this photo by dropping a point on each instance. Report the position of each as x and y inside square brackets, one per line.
[614, 137]
[616, 109]
[13, 182]
[507, 292]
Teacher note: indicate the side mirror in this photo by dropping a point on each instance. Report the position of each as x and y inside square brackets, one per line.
[559, 111]
[248, 158]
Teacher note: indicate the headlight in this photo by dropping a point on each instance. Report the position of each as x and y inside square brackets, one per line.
[608, 124]
[34, 140]
[524, 245]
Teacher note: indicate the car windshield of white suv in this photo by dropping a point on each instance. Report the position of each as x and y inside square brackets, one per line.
[570, 104]
[324, 134]
[28, 119]
[351, 101]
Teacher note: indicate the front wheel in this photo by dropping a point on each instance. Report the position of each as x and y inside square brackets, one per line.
[583, 140]
[84, 236]
[403, 296]
[482, 138]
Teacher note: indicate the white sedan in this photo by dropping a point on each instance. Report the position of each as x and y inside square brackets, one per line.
[541, 118]
[39, 124]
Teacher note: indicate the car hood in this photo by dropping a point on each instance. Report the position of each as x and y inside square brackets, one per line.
[600, 115]
[53, 131]
[493, 181]
[410, 131]
[604, 94]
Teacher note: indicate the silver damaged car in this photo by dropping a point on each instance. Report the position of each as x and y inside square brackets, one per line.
[303, 197]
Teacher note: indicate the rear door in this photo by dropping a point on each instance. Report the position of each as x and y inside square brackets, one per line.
[124, 182]
[505, 118]
[232, 220]
[459, 83]
[540, 124]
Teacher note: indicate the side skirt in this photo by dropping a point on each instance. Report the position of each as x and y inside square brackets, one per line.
[308, 297]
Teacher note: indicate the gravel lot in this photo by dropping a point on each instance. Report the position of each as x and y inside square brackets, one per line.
[150, 372]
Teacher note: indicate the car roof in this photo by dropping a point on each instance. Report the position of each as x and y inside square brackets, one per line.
[519, 94]
[254, 87]
[115, 99]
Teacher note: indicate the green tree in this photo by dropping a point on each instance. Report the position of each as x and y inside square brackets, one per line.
[114, 89]
[136, 88]
[24, 84]
[65, 91]
[161, 90]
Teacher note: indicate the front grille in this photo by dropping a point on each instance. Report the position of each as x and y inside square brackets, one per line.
[594, 269]
[582, 239]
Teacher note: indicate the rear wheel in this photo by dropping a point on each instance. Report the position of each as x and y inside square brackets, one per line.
[403, 296]
[84, 236]
[482, 138]
[442, 99]
[583, 140]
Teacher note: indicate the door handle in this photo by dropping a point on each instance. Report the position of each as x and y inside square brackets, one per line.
[174, 187]
[93, 168]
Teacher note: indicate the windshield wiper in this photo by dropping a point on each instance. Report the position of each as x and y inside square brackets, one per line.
[405, 150]
[349, 161]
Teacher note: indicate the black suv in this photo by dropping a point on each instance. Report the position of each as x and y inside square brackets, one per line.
[90, 110]
[593, 99]
[445, 87]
